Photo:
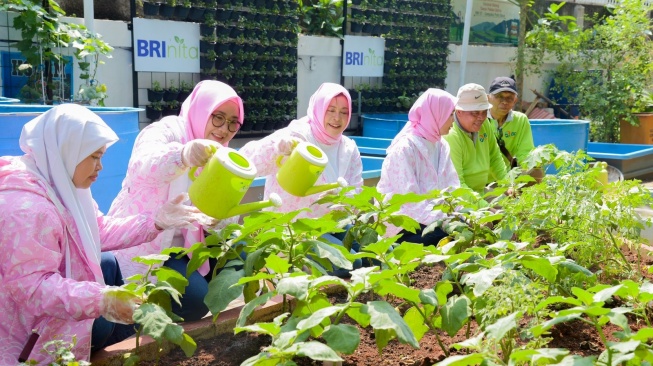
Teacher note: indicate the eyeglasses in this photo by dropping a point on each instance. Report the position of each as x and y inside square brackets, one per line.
[218, 120]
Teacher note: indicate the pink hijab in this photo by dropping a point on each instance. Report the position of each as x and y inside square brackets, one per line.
[430, 111]
[318, 106]
[205, 98]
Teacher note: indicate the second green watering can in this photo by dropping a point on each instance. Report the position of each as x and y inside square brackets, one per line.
[299, 172]
[223, 182]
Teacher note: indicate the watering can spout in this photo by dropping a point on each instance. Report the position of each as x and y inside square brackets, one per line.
[341, 182]
[244, 208]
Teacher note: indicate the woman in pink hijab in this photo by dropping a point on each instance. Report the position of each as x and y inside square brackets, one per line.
[328, 115]
[158, 169]
[418, 161]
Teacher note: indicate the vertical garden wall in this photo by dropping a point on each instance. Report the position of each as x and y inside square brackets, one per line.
[417, 37]
[252, 46]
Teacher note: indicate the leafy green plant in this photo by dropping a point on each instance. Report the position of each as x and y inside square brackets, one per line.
[44, 37]
[185, 86]
[156, 86]
[321, 17]
[154, 316]
[606, 69]
[61, 353]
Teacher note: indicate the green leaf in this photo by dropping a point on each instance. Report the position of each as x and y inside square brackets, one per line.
[541, 266]
[462, 360]
[223, 289]
[277, 264]
[502, 326]
[317, 351]
[317, 317]
[174, 278]
[153, 319]
[384, 316]
[416, 322]
[332, 253]
[428, 296]
[482, 280]
[187, 345]
[342, 338]
[455, 314]
[294, 286]
[399, 290]
[151, 259]
[249, 308]
[539, 329]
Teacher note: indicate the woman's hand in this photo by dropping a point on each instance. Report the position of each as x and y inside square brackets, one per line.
[177, 215]
[118, 305]
[198, 152]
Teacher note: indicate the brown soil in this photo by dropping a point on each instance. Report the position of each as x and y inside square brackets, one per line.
[227, 350]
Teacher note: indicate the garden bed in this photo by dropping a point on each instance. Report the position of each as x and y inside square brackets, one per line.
[227, 349]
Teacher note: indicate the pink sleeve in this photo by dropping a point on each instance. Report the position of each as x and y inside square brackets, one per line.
[156, 156]
[124, 232]
[31, 261]
[354, 174]
[263, 153]
[448, 171]
[399, 176]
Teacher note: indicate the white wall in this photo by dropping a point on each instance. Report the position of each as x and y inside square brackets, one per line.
[484, 63]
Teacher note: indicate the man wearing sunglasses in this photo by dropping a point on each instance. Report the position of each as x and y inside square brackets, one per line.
[512, 128]
[474, 150]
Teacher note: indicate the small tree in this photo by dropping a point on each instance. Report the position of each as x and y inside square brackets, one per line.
[606, 69]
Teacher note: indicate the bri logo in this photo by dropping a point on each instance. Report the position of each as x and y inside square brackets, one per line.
[362, 59]
[162, 49]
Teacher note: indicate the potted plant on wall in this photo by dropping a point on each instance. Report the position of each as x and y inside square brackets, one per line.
[151, 7]
[155, 93]
[185, 88]
[153, 110]
[171, 92]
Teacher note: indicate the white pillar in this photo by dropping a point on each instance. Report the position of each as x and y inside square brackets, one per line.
[89, 16]
[463, 53]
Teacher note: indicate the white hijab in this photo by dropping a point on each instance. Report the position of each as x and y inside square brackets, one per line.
[57, 141]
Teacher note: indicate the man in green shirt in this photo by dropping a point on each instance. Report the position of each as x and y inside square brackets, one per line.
[474, 150]
[512, 129]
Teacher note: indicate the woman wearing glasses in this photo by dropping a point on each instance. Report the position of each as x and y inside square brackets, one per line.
[474, 149]
[420, 156]
[163, 153]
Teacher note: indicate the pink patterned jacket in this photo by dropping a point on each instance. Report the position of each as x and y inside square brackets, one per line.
[410, 167]
[263, 153]
[155, 163]
[34, 294]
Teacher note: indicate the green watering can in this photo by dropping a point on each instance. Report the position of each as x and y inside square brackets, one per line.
[223, 182]
[298, 174]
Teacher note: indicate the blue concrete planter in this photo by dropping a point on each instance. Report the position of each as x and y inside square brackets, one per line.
[123, 120]
[632, 159]
[371, 146]
[383, 125]
[566, 134]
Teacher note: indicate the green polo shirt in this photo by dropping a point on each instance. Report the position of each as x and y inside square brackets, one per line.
[477, 161]
[516, 134]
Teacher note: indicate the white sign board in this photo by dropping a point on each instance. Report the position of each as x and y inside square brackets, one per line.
[166, 46]
[363, 56]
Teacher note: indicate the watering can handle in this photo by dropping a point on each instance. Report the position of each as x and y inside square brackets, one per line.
[191, 172]
[279, 160]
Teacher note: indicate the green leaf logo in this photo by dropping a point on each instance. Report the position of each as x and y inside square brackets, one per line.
[179, 40]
